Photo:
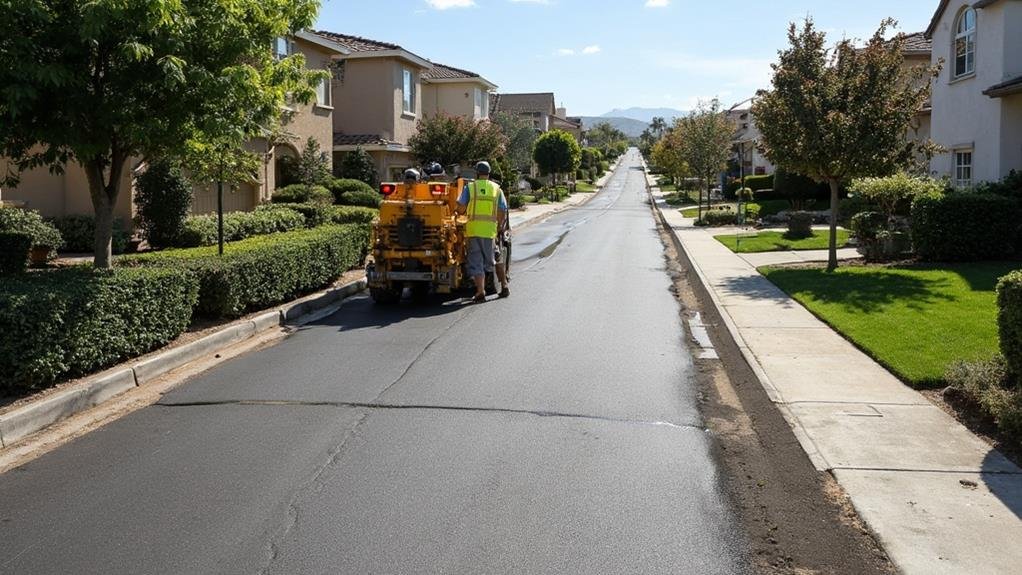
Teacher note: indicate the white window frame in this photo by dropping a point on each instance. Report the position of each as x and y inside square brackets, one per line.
[282, 42]
[967, 36]
[408, 91]
[324, 100]
[962, 165]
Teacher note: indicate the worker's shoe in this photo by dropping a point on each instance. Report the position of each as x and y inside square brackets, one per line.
[481, 298]
[504, 293]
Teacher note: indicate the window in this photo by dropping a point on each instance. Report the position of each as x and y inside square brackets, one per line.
[408, 91]
[479, 102]
[965, 43]
[963, 168]
[323, 92]
[281, 48]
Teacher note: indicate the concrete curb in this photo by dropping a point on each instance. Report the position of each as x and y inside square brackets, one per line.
[810, 448]
[97, 389]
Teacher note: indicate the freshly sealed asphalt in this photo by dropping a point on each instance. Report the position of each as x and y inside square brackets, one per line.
[554, 431]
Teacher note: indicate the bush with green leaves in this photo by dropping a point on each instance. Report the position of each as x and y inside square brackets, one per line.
[352, 215]
[73, 321]
[894, 194]
[163, 199]
[534, 184]
[990, 386]
[358, 165]
[868, 227]
[30, 222]
[369, 199]
[966, 227]
[302, 194]
[756, 183]
[1009, 320]
[1010, 186]
[339, 186]
[311, 167]
[14, 248]
[719, 218]
[514, 201]
[79, 233]
[202, 230]
[800, 225]
[798, 189]
[315, 214]
[259, 272]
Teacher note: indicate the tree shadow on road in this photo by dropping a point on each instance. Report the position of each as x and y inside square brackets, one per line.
[362, 313]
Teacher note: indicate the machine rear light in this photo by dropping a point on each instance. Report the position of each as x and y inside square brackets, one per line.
[387, 189]
[438, 189]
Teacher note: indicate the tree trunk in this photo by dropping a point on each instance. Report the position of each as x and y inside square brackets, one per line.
[104, 196]
[104, 235]
[834, 205]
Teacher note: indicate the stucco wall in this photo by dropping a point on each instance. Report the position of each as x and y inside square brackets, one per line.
[1012, 34]
[66, 194]
[1011, 136]
[454, 99]
[962, 115]
[369, 99]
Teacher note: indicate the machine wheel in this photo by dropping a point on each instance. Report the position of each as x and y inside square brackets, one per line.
[384, 296]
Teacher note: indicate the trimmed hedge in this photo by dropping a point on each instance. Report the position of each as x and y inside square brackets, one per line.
[30, 222]
[315, 214]
[1009, 320]
[365, 199]
[302, 194]
[341, 186]
[352, 215]
[719, 218]
[756, 183]
[14, 248]
[73, 321]
[966, 227]
[800, 225]
[202, 230]
[79, 233]
[260, 272]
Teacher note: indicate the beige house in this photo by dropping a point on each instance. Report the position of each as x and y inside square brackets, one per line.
[977, 98]
[745, 143]
[540, 108]
[68, 193]
[377, 92]
[918, 52]
[455, 92]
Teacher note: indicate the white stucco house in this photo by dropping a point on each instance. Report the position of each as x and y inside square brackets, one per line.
[977, 99]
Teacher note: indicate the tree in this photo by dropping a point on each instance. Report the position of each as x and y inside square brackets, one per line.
[657, 127]
[359, 165]
[98, 82]
[704, 139]
[557, 152]
[163, 197]
[521, 136]
[669, 155]
[844, 113]
[608, 139]
[456, 140]
[312, 167]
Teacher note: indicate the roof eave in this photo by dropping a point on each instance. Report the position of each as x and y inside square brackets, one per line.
[474, 80]
[399, 54]
[940, 13]
[322, 42]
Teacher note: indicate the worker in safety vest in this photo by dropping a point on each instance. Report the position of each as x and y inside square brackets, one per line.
[484, 202]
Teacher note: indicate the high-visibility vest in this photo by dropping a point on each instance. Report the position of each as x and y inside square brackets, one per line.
[483, 202]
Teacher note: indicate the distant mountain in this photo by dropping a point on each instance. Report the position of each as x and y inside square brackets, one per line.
[645, 114]
[632, 128]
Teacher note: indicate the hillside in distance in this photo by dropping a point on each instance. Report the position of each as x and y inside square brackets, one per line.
[631, 127]
[646, 114]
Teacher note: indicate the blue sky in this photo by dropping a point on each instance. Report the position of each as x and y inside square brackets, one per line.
[600, 55]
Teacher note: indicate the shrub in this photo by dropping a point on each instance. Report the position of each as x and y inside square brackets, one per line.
[719, 218]
[369, 199]
[339, 187]
[30, 222]
[514, 201]
[798, 189]
[534, 184]
[988, 385]
[965, 227]
[867, 227]
[315, 213]
[800, 225]
[892, 192]
[854, 205]
[14, 248]
[79, 233]
[752, 211]
[260, 272]
[1009, 319]
[744, 194]
[202, 230]
[312, 167]
[352, 215]
[1010, 186]
[528, 198]
[756, 183]
[302, 194]
[70, 322]
[358, 165]
[163, 198]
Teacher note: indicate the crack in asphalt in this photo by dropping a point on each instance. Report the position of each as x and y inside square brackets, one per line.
[426, 407]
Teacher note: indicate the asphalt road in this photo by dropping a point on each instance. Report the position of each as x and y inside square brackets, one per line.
[556, 431]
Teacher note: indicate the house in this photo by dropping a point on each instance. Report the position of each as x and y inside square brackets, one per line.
[455, 92]
[745, 144]
[540, 108]
[977, 98]
[378, 99]
[918, 51]
[56, 195]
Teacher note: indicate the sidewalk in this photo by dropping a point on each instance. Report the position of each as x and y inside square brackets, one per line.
[536, 212]
[938, 498]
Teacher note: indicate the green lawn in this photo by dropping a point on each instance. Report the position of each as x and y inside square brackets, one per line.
[581, 186]
[776, 242]
[915, 320]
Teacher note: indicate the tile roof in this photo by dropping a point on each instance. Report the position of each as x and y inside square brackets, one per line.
[918, 43]
[442, 72]
[356, 43]
[1006, 88]
[359, 140]
[541, 102]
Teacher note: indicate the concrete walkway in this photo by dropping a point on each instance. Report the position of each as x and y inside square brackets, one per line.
[939, 499]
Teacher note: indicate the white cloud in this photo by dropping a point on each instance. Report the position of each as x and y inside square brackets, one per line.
[565, 52]
[594, 49]
[531, 1]
[446, 4]
[657, 3]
